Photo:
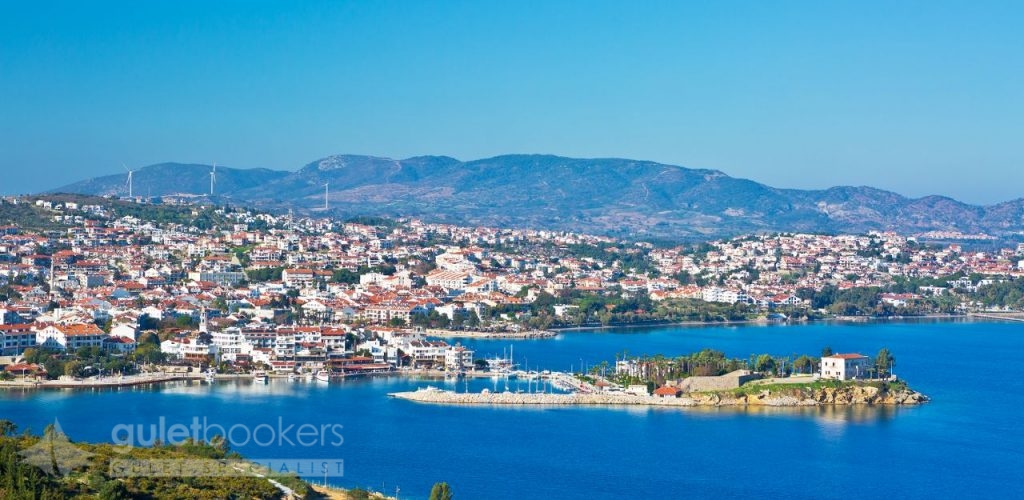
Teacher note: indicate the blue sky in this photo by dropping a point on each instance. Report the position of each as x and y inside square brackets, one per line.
[922, 97]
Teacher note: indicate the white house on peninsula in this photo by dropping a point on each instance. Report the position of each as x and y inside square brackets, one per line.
[845, 366]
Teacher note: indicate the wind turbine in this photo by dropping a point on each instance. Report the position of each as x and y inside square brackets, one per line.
[213, 177]
[130, 172]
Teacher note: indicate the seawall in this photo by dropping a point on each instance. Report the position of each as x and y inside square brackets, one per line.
[796, 396]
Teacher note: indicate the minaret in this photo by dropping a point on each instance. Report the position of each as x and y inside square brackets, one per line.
[53, 291]
[202, 321]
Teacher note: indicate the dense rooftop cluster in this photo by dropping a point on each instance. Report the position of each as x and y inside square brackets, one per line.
[294, 293]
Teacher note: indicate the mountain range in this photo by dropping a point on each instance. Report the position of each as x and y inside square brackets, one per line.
[605, 196]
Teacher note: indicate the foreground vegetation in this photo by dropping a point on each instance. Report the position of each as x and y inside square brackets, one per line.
[83, 470]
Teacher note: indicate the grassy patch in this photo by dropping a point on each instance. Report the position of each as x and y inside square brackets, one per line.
[816, 385]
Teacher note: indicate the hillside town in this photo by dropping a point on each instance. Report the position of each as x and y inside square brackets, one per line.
[236, 289]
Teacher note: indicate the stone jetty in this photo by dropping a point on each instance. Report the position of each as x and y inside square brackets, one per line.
[798, 396]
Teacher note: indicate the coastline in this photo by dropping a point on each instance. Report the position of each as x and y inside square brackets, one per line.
[765, 322]
[1010, 317]
[531, 334]
[798, 397]
[163, 378]
[128, 381]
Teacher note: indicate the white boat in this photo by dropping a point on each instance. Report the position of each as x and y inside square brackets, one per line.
[503, 365]
[210, 375]
[260, 377]
[432, 389]
[292, 377]
[323, 376]
[310, 376]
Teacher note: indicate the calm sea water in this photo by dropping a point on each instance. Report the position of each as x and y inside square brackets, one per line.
[966, 442]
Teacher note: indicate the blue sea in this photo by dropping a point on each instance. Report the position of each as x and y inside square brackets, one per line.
[967, 442]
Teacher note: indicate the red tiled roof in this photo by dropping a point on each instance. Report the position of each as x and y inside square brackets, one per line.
[81, 329]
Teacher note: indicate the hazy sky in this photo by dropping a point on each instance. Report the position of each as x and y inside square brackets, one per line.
[918, 97]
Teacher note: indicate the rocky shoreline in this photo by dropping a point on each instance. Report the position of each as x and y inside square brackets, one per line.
[796, 396]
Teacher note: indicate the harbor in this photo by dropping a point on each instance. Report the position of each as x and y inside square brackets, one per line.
[557, 435]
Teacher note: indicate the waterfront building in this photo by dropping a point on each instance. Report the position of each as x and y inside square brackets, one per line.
[458, 358]
[15, 338]
[192, 350]
[845, 366]
[70, 337]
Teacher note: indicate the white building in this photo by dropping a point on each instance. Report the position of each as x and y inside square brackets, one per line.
[190, 349]
[845, 366]
[230, 278]
[125, 330]
[70, 337]
[14, 339]
[457, 358]
[449, 280]
[231, 344]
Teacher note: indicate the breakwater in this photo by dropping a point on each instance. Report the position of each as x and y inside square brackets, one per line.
[794, 396]
[125, 381]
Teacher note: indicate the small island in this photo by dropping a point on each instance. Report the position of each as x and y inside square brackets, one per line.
[708, 378]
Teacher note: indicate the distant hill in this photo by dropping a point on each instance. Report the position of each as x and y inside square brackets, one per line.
[606, 195]
[173, 178]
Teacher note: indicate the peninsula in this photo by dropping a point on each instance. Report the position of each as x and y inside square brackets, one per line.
[707, 378]
[811, 394]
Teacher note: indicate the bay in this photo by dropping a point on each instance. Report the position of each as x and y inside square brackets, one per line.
[966, 442]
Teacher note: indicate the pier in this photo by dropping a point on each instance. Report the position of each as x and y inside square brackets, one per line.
[999, 316]
[121, 381]
[518, 398]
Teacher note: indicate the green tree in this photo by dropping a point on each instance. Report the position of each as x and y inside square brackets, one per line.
[804, 364]
[73, 368]
[31, 355]
[358, 494]
[473, 321]
[827, 351]
[149, 353]
[114, 490]
[884, 362]
[7, 427]
[441, 491]
[267, 274]
[148, 338]
[765, 363]
[345, 276]
[184, 321]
